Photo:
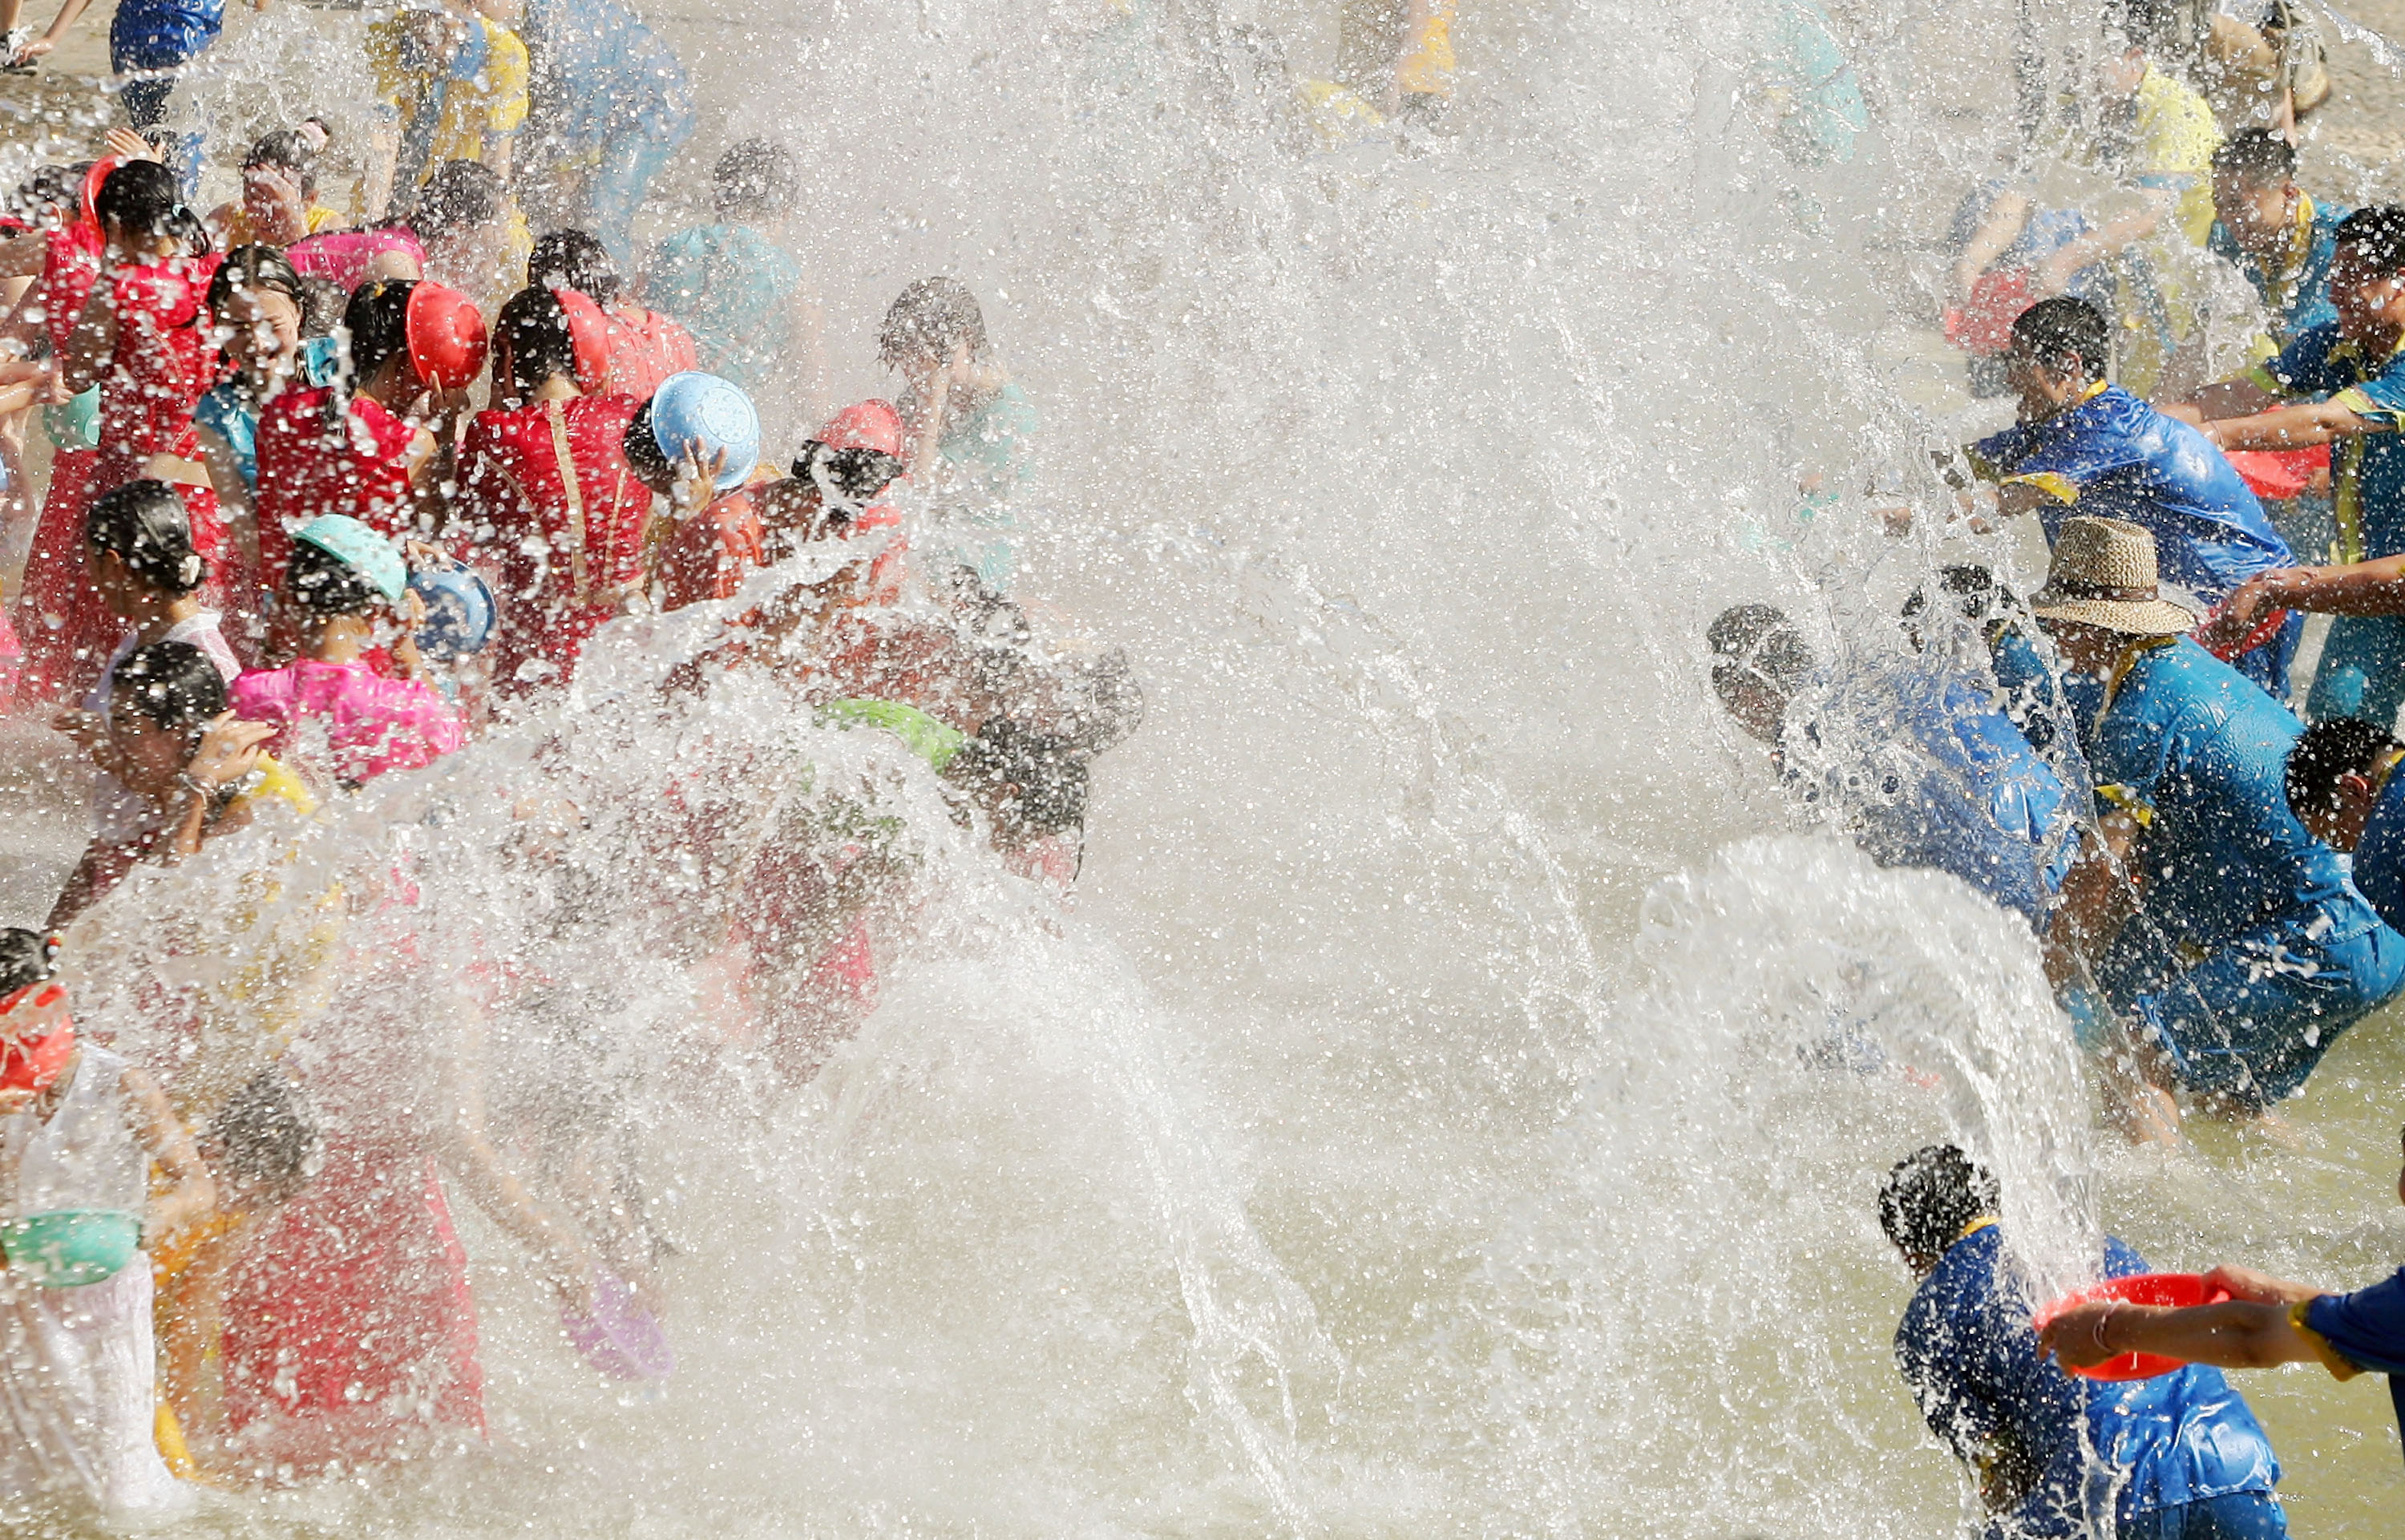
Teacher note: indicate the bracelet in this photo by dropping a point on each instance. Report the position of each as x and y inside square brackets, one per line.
[2104, 1321]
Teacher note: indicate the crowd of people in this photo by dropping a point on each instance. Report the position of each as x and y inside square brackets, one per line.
[2206, 844]
[342, 482]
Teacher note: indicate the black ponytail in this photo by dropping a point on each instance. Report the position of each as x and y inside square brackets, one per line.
[144, 525]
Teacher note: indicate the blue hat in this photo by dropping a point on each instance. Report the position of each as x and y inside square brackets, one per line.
[458, 611]
[706, 414]
[359, 548]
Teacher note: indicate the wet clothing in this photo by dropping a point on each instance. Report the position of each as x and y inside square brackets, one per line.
[2295, 291]
[370, 723]
[148, 35]
[2380, 854]
[2360, 1332]
[1927, 773]
[2112, 455]
[341, 255]
[989, 460]
[1967, 1349]
[644, 349]
[2367, 471]
[610, 103]
[1819, 99]
[735, 290]
[229, 412]
[709, 555]
[60, 622]
[558, 521]
[447, 114]
[2254, 951]
[359, 467]
[165, 359]
[239, 230]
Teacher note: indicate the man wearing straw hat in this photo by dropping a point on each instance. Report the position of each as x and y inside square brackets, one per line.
[2247, 949]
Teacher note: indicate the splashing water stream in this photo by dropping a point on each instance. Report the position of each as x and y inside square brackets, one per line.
[1454, 1102]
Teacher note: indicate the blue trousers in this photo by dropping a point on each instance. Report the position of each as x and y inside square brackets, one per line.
[2251, 1017]
[2241, 1516]
[2362, 671]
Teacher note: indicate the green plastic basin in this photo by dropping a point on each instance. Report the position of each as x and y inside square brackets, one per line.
[72, 1246]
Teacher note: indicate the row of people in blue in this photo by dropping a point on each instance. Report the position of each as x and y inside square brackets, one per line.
[2218, 887]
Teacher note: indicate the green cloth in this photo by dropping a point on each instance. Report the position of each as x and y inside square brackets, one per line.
[921, 734]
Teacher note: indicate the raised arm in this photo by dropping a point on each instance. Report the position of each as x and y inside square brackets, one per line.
[2240, 1334]
[2299, 427]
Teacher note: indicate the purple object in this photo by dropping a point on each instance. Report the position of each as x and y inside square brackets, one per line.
[619, 1336]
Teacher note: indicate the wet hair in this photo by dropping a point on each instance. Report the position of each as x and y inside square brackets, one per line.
[322, 302]
[1931, 1197]
[460, 196]
[641, 447]
[323, 584]
[377, 320]
[531, 333]
[172, 684]
[929, 320]
[141, 197]
[1107, 703]
[286, 149]
[2256, 157]
[2341, 746]
[26, 957]
[145, 525]
[266, 1135]
[254, 267]
[756, 176]
[1977, 594]
[575, 258]
[1757, 641]
[2064, 328]
[2379, 233]
[1050, 774]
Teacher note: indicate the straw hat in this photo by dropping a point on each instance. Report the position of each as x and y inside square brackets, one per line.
[2103, 575]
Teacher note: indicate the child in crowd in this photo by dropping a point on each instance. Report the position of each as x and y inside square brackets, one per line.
[80, 1128]
[333, 715]
[554, 512]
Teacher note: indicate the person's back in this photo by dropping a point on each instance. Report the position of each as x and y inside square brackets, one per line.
[2196, 746]
[732, 288]
[567, 518]
[1968, 1352]
[1930, 774]
[312, 462]
[2113, 456]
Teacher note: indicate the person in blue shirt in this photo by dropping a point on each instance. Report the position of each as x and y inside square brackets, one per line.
[2267, 1321]
[2083, 445]
[2005, 634]
[2177, 1457]
[2342, 383]
[610, 103]
[2250, 950]
[753, 315]
[2273, 232]
[2343, 785]
[1913, 761]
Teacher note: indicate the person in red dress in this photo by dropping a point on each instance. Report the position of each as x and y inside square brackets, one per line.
[622, 349]
[359, 446]
[59, 616]
[549, 508]
[146, 338]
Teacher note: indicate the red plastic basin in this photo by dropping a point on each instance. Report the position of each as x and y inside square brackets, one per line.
[2179, 1291]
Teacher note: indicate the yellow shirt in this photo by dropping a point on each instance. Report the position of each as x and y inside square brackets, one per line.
[2176, 141]
[492, 102]
[239, 231]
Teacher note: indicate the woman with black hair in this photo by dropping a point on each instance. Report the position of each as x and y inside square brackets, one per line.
[147, 340]
[557, 515]
[255, 300]
[637, 347]
[357, 447]
[172, 742]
